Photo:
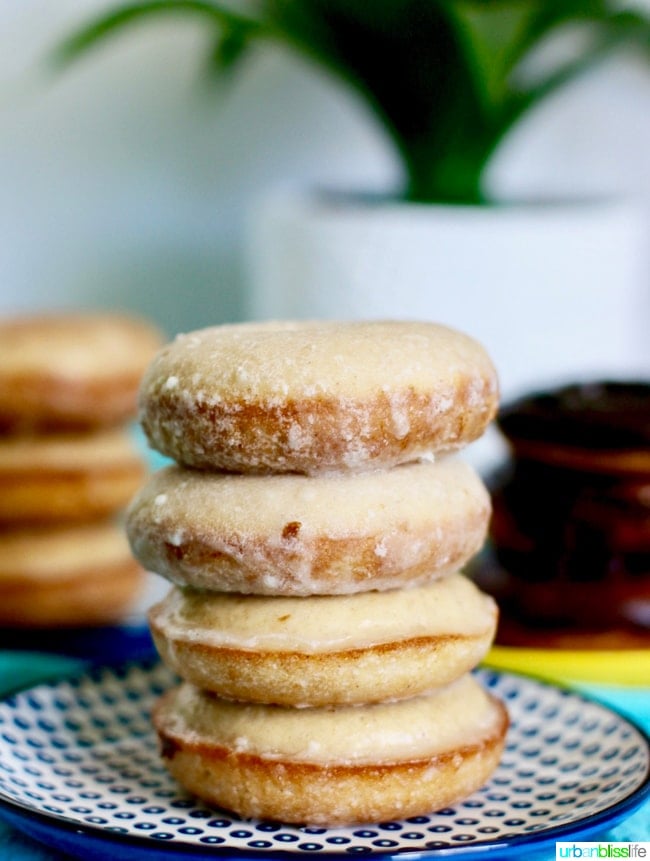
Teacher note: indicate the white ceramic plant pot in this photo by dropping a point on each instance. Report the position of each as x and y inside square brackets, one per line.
[555, 292]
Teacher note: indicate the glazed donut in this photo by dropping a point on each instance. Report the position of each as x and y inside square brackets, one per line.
[311, 397]
[333, 766]
[325, 650]
[81, 575]
[598, 427]
[292, 534]
[71, 371]
[58, 478]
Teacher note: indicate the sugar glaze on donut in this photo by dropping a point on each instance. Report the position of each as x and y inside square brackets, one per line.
[309, 535]
[313, 396]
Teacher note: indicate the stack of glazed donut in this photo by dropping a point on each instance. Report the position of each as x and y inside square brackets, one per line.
[314, 526]
[68, 465]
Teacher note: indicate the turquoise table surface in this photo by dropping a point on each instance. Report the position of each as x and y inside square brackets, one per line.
[22, 669]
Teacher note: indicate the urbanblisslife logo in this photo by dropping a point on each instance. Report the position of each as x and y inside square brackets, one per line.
[602, 849]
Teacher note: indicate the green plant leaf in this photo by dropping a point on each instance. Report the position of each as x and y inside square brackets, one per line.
[493, 31]
[407, 60]
[626, 29]
[113, 22]
[228, 51]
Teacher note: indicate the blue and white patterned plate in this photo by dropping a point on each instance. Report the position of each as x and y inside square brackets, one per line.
[79, 770]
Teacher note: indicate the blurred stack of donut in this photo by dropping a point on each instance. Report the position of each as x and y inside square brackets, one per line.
[571, 521]
[68, 466]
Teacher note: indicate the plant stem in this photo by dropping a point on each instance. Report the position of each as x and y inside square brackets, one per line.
[444, 186]
[449, 177]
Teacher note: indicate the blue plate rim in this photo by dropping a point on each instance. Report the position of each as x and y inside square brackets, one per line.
[19, 814]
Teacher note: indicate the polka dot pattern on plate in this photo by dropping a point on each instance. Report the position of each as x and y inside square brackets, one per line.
[83, 751]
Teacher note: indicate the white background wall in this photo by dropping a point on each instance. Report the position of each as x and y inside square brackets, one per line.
[125, 184]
